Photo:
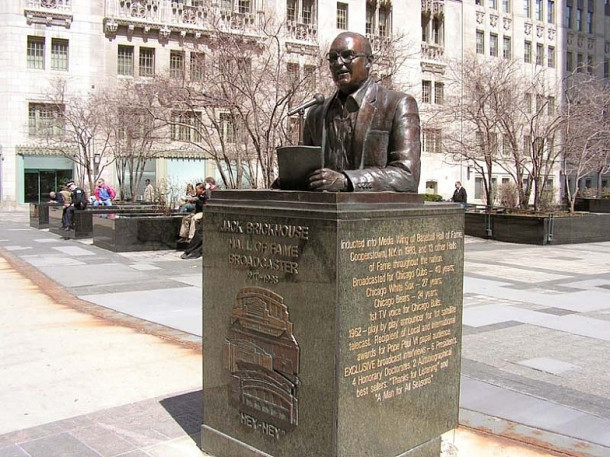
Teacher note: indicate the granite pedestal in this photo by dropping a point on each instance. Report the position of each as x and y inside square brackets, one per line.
[331, 324]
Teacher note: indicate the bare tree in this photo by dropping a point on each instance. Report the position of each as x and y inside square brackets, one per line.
[474, 115]
[135, 135]
[231, 106]
[505, 118]
[586, 133]
[76, 131]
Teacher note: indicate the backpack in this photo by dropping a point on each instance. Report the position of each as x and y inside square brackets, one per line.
[79, 198]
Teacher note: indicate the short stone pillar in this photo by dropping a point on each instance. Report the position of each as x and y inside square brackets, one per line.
[331, 324]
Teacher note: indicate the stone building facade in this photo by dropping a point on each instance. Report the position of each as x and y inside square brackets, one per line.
[90, 43]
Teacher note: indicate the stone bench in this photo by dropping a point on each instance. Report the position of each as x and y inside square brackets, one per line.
[137, 231]
[83, 219]
[39, 214]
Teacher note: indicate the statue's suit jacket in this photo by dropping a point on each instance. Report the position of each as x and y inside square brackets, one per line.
[386, 142]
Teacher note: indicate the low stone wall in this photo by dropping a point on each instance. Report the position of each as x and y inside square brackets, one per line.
[531, 229]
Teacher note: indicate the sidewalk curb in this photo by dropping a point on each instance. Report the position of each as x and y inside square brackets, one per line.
[65, 298]
[560, 445]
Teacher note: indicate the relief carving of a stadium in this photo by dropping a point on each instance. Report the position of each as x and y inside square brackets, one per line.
[262, 355]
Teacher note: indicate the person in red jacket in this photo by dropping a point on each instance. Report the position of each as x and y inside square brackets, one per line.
[104, 194]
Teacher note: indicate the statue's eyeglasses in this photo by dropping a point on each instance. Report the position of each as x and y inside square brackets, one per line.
[346, 56]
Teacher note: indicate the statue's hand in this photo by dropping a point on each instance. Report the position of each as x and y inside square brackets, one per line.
[329, 180]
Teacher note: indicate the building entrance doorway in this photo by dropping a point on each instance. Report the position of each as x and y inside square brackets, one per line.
[38, 183]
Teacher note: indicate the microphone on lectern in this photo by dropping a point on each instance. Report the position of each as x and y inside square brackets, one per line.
[317, 99]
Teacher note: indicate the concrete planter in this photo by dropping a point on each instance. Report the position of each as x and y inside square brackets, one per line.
[136, 232]
[543, 229]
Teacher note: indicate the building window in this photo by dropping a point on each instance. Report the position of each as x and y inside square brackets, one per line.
[244, 6]
[439, 93]
[527, 52]
[291, 10]
[292, 70]
[35, 53]
[507, 51]
[342, 16]
[539, 103]
[378, 19]
[551, 106]
[432, 141]
[59, 54]
[478, 188]
[569, 61]
[478, 2]
[550, 11]
[197, 66]
[307, 11]
[569, 16]
[539, 54]
[551, 56]
[147, 62]
[44, 120]
[186, 126]
[176, 64]
[226, 7]
[480, 42]
[426, 91]
[527, 8]
[590, 64]
[506, 6]
[589, 21]
[579, 63]
[493, 4]
[528, 102]
[606, 68]
[493, 45]
[228, 130]
[125, 61]
[310, 73]
[579, 19]
[539, 10]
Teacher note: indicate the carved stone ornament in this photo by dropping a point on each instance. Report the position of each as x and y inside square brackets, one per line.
[527, 28]
[111, 26]
[581, 41]
[493, 20]
[551, 34]
[507, 22]
[591, 43]
[164, 32]
[480, 17]
[539, 31]
[570, 38]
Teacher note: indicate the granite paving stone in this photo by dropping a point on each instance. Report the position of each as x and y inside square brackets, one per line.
[103, 440]
[73, 251]
[13, 451]
[61, 445]
[549, 365]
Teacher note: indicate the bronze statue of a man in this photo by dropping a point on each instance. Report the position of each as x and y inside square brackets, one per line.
[369, 134]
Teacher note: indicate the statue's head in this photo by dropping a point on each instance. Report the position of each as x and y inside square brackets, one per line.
[350, 59]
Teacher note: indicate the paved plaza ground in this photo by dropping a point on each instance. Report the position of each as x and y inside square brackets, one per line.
[101, 351]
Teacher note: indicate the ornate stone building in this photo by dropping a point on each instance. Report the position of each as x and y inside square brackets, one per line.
[90, 43]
